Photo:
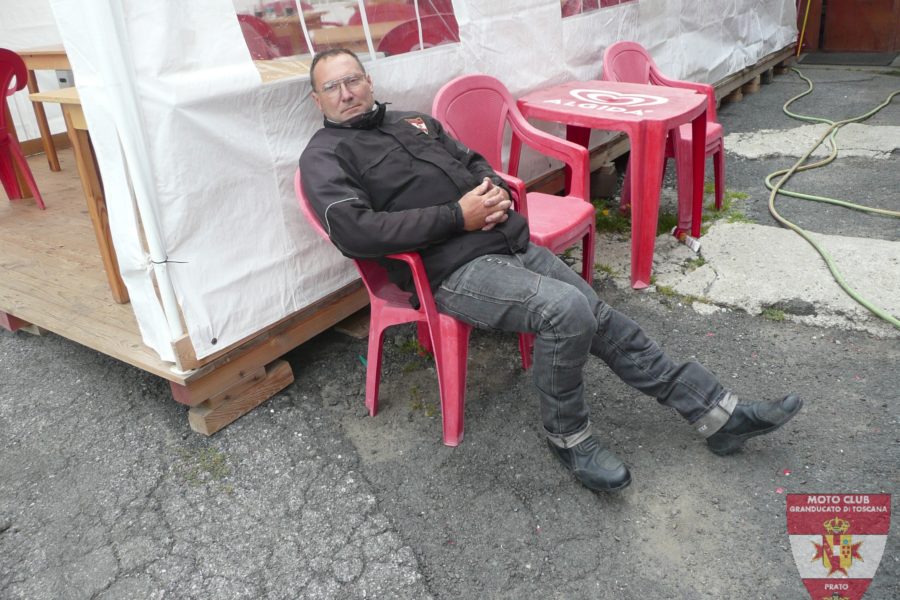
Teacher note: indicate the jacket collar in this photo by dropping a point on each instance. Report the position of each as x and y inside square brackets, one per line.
[368, 120]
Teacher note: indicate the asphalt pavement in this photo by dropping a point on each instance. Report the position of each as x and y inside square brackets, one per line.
[106, 493]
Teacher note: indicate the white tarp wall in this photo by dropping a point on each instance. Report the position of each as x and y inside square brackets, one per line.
[194, 148]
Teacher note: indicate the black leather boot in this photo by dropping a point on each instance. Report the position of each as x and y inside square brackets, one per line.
[593, 465]
[750, 419]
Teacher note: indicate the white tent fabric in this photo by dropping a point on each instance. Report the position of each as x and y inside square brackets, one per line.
[198, 154]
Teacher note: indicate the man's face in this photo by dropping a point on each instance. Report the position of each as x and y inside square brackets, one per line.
[342, 90]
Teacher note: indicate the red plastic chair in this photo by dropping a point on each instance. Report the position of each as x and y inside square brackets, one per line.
[436, 7]
[13, 77]
[436, 30]
[630, 62]
[475, 109]
[389, 11]
[445, 336]
[260, 38]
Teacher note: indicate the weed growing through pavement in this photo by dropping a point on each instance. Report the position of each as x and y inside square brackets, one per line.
[607, 269]
[419, 403]
[611, 219]
[199, 466]
[773, 314]
[693, 264]
[420, 355]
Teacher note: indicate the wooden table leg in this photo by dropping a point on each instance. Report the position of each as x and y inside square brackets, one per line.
[648, 143]
[41, 116]
[92, 185]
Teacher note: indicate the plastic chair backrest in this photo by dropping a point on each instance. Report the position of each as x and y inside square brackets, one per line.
[13, 74]
[436, 30]
[390, 11]
[630, 62]
[474, 109]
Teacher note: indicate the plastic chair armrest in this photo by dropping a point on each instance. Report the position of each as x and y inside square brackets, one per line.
[700, 88]
[520, 195]
[575, 156]
[423, 291]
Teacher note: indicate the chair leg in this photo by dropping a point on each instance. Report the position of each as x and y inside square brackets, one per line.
[526, 349]
[450, 361]
[26, 172]
[8, 174]
[625, 196]
[719, 172]
[587, 258]
[687, 212]
[424, 337]
[373, 368]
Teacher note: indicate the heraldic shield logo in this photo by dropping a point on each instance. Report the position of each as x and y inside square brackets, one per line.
[837, 541]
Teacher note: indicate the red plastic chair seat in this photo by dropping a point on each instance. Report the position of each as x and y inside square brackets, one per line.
[556, 222]
[630, 62]
[13, 77]
[445, 336]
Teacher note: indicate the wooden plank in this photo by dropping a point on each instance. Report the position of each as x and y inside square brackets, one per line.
[752, 86]
[211, 416]
[728, 84]
[356, 325]
[194, 395]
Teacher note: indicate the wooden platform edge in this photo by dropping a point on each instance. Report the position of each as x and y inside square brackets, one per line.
[240, 365]
[13, 324]
[187, 357]
[218, 412]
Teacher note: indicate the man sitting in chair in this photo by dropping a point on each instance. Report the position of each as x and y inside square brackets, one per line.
[385, 181]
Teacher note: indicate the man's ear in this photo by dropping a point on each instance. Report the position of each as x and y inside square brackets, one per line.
[315, 97]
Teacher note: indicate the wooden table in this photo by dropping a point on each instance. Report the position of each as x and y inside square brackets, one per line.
[646, 113]
[91, 182]
[350, 36]
[50, 58]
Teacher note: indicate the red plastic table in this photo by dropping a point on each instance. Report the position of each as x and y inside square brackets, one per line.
[646, 113]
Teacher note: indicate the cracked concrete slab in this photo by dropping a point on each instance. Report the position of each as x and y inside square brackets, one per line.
[753, 267]
[853, 139]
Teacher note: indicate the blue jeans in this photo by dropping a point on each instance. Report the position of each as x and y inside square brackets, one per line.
[535, 292]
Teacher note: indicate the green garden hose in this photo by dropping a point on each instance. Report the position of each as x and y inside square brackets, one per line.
[786, 174]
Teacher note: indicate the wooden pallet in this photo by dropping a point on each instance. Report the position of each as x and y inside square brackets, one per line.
[52, 278]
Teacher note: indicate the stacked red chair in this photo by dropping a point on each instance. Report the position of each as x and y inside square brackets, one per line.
[630, 62]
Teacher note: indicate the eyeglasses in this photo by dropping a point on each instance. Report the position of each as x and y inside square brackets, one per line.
[351, 82]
